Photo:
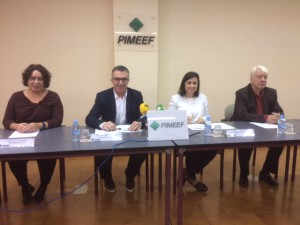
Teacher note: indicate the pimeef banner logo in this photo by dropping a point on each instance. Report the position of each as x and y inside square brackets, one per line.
[167, 125]
[136, 32]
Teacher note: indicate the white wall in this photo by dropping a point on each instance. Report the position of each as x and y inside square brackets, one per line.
[221, 40]
[142, 64]
[73, 39]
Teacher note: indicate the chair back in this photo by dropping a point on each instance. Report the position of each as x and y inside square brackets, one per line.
[228, 112]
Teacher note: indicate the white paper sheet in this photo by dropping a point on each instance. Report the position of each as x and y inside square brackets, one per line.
[195, 126]
[124, 129]
[102, 135]
[224, 126]
[265, 125]
[17, 134]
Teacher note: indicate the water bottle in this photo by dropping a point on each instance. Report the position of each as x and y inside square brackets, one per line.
[76, 130]
[281, 124]
[207, 126]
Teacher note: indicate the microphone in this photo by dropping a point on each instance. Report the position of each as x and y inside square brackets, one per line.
[144, 107]
[160, 107]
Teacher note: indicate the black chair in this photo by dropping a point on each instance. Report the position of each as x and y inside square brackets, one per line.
[176, 155]
[62, 177]
[227, 117]
[96, 180]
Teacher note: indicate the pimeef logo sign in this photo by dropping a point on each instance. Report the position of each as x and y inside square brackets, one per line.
[136, 24]
[136, 33]
[154, 125]
[165, 125]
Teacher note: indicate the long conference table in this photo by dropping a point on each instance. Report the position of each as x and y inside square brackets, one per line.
[57, 143]
[263, 137]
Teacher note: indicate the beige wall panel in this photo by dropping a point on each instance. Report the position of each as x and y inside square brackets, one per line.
[221, 40]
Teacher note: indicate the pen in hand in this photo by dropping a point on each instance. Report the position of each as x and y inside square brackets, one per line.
[274, 113]
[275, 117]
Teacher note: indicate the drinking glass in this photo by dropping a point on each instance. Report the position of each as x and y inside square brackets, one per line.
[85, 134]
[289, 128]
[217, 132]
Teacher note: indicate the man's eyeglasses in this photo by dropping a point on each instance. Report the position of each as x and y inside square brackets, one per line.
[117, 79]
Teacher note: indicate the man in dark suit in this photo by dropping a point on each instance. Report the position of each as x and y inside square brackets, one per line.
[116, 106]
[258, 103]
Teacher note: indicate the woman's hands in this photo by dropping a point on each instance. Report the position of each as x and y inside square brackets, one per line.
[28, 127]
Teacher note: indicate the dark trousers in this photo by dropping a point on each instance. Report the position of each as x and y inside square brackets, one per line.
[195, 161]
[270, 164]
[46, 169]
[133, 167]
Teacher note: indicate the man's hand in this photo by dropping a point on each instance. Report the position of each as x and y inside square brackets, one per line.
[200, 120]
[273, 118]
[135, 126]
[109, 126]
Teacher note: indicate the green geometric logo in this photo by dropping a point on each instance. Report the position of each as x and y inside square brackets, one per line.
[154, 125]
[136, 24]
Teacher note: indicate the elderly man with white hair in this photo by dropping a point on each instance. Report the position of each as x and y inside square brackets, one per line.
[258, 103]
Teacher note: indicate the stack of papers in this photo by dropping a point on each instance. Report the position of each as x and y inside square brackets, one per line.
[224, 126]
[124, 129]
[102, 135]
[265, 125]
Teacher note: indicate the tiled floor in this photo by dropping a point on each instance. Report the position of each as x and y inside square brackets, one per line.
[259, 204]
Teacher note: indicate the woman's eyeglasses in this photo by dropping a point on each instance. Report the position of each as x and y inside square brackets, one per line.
[39, 79]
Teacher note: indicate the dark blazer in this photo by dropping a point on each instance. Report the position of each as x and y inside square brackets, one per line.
[104, 108]
[245, 108]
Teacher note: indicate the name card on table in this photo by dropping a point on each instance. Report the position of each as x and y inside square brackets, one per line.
[197, 126]
[16, 142]
[240, 133]
[167, 125]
